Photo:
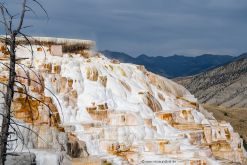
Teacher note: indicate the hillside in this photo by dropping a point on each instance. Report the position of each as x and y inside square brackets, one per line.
[222, 86]
[102, 111]
[173, 66]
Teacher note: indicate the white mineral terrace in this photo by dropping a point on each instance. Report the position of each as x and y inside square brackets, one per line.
[126, 114]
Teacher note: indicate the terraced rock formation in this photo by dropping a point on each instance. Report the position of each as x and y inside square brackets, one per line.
[106, 112]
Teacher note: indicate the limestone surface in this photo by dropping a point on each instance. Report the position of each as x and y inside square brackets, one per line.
[114, 112]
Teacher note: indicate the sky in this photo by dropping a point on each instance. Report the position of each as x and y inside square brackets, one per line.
[151, 27]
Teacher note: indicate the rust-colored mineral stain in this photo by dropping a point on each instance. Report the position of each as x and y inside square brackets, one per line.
[39, 49]
[27, 109]
[152, 102]
[227, 133]
[84, 53]
[3, 79]
[125, 85]
[47, 67]
[114, 61]
[70, 83]
[198, 162]
[162, 144]
[100, 115]
[161, 97]
[165, 116]
[187, 126]
[103, 106]
[92, 73]
[3, 48]
[103, 80]
[57, 69]
[220, 145]
[122, 151]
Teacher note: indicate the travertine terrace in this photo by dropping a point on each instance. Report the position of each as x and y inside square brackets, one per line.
[104, 111]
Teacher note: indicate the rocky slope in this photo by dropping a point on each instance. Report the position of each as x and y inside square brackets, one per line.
[101, 111]
[222, 86]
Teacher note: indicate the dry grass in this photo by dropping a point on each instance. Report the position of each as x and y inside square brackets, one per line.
[236, 116]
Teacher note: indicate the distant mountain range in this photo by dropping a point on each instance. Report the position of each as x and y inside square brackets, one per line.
[222, 86]
[173, 66]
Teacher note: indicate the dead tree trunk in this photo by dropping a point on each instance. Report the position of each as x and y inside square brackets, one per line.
[12, 32]
[8, 101]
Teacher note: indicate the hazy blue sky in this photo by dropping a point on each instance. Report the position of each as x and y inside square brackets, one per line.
[153, 27]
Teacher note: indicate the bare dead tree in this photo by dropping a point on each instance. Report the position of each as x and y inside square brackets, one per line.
[13, 26]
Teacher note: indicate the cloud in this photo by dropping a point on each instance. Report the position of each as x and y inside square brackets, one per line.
[159, 27]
